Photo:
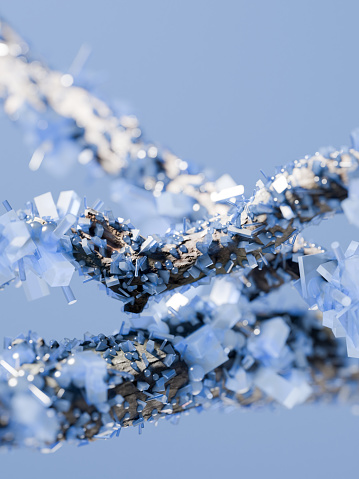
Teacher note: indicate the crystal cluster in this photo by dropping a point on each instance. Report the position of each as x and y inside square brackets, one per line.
[35, 249]
[329, 282]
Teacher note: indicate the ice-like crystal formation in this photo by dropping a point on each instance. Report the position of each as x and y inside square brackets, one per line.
[331, 284]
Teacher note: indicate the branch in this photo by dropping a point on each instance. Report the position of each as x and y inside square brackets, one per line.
[90, 389]
[68, 114]
[134, 268]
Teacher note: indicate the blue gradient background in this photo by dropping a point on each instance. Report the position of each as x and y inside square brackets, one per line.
[237, 86]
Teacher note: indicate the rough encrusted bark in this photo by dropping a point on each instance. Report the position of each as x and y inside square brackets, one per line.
[127, 412]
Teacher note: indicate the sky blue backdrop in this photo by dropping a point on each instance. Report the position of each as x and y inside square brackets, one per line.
[235, 85]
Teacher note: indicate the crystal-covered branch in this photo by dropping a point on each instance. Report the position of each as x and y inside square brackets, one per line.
[65, 121]
[80, 390]
[133, 268]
